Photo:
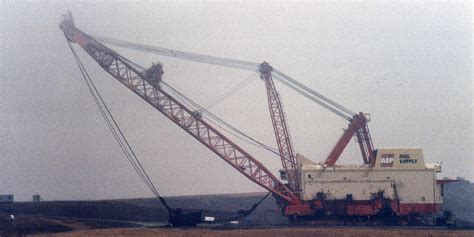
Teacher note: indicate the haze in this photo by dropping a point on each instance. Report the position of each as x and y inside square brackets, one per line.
[408, 65]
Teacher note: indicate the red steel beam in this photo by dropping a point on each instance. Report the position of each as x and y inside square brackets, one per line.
[358, 127]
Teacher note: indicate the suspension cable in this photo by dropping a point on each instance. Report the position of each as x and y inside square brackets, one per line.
[305, 91]
[233, 63]
[219, 122]
[231, 91]
[312, 92]
[315, 99]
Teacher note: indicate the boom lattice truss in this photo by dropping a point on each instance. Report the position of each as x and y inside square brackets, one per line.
[149, 90]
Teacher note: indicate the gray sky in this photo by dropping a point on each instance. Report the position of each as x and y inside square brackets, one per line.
[408, 65]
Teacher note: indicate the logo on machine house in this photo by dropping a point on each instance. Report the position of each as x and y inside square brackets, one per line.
[406, 159]
[387, 160]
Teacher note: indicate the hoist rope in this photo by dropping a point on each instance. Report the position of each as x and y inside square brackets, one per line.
[116, 131]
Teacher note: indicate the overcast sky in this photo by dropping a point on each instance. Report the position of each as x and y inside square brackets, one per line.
[408, 65]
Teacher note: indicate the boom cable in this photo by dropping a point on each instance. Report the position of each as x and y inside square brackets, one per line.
[231, 91]
[298, 87]
[219, 122]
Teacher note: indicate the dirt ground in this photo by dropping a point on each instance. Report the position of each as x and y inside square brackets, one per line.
[125, 218]
[280, 232]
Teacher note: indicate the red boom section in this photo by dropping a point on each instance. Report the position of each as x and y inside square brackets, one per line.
[122, 69]
[280, 127]
[358, 127]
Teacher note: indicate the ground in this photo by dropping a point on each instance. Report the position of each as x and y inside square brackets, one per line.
[278, 232]
[129, 217]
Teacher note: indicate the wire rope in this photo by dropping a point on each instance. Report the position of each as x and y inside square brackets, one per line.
[219, 122]
[125, 145]
[229, 92]
[116, 131]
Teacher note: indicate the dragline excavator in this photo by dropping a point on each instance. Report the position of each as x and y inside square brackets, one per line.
[390, 182]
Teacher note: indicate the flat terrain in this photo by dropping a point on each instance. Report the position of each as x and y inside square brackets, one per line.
[280, 232]
[129, 217]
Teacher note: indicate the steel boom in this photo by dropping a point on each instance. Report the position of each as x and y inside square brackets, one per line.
[148, 89]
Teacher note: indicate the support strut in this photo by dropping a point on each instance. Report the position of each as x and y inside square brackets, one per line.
[280, 127]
